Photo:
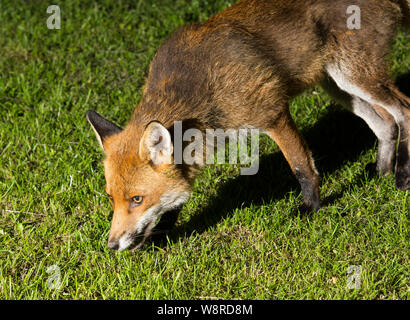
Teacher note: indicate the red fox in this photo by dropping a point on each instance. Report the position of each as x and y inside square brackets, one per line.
[240, 69]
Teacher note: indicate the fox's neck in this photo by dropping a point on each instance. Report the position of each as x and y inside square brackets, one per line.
[170, 114]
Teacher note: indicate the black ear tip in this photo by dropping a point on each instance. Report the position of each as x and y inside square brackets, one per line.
[90, 113]
[103, 127]
[94, 117]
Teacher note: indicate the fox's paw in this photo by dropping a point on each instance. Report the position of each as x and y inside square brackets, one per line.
[403, 177]
[307, 208]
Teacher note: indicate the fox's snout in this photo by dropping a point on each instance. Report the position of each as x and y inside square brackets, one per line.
[122, 237]
[126, 241]
[113, 244]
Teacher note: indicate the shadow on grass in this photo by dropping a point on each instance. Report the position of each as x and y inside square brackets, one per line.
[338, 137]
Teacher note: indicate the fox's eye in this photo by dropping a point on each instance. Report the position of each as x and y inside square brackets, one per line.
[137, 200]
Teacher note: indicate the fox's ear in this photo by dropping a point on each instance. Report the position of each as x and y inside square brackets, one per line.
[156, 144]
[102, 127]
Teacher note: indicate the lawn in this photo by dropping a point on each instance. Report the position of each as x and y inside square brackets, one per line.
[238, 237]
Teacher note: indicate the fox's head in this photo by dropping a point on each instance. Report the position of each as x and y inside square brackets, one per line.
[142, 181]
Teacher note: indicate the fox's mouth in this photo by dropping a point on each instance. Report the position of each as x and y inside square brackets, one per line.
[138, 239]
[152, 229]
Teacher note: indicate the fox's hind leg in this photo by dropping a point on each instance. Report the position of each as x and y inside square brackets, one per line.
[379, 90]
[377, 118]
[284, 132]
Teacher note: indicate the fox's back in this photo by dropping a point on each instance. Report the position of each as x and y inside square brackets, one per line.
[280, 46]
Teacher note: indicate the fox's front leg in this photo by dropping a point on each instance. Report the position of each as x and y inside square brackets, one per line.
[284, 132]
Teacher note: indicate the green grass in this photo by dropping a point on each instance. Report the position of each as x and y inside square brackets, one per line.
[236, 238]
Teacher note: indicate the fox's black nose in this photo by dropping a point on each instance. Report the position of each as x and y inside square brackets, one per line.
[113, 244]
